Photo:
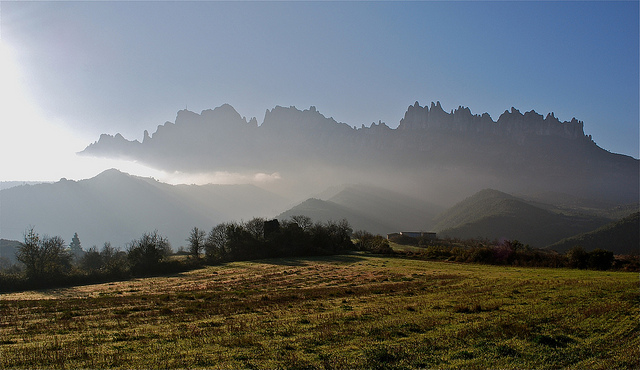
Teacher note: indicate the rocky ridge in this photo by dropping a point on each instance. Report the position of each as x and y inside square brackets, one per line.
[520, 152]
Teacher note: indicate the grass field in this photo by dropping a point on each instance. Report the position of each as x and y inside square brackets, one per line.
[349, 311]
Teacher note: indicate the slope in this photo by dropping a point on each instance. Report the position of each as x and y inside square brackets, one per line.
[430, 150]
[495, 215]
[118, 208]
[396, 211]
[374, 209]
[323, 210]
[8, 249]
[620, 237]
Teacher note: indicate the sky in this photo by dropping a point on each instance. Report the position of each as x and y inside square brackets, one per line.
[70, 71]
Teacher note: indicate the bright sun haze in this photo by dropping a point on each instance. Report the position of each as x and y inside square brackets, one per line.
[34, 147]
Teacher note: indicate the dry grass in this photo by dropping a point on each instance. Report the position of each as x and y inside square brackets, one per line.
[349, 311]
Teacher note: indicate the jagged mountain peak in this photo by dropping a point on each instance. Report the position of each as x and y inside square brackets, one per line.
[525, 152]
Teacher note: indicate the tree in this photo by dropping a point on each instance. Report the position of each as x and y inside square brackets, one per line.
[600, 259]
[45, 257]
[75, 247]
[145, 254]
[215, 246]
[255, 227]
[92, 260]
[196, 242]
[331, 237]
[304, 222]
[373, 243]
[114, 261]
[578, 258]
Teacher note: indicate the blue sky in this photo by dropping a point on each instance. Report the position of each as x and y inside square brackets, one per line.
[105, 67]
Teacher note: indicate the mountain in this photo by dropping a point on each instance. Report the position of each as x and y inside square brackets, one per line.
[493, 214]
[620, 237]
[323, 210]
[432, 154]
[376, 210]
[10, 184]
[8, 249]
[117, 207]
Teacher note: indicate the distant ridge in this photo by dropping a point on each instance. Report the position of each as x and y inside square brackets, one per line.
[493, 215]
[369, 208]
[620, 237]
[117, 207]
[446, 153]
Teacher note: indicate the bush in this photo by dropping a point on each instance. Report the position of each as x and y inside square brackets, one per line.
[365, 241]
[260, 238]
[45, 257]
[577, 258]
[145, 254]
[600, 259]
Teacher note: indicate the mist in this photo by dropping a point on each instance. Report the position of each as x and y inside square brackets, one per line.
[432, 155]
[217, 166]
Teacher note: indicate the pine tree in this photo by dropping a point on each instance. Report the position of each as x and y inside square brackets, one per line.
[75, 248]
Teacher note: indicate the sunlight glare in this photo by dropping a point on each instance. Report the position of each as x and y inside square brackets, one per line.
[38, 148]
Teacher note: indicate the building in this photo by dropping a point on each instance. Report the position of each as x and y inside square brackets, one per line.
[414, 234]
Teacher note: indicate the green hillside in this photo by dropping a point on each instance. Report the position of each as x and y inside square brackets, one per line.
[620, 237]
[471, 209]
[492, 214]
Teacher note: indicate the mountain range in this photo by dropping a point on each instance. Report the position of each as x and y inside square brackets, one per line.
[118, 208]
[551, 180]
[431, 155]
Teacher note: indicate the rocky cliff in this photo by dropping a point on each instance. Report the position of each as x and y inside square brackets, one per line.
[456, 151]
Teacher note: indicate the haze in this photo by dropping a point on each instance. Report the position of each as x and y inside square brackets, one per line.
[74, 70]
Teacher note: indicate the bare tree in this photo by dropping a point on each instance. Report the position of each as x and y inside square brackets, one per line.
[196, 242]
[215, 247]
[45, 257]
[304, 222]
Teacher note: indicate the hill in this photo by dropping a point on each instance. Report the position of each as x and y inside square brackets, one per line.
[620, 237]
[493, 214]
[434, 153]
[376, 210]
[118, 208]
[8, 249]
[323, 210]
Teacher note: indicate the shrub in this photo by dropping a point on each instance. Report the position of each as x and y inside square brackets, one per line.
[578, 258]
[45, 257]
[145, 254]
[600, 259]
[366, 241]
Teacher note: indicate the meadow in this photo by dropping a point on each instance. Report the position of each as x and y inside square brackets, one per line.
[346, 311]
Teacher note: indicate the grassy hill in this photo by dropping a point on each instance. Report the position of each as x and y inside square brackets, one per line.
[376, 210]
[349, 311]
[495, 215]
[620, 237]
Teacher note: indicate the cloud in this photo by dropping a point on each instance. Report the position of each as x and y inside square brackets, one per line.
[217, 177]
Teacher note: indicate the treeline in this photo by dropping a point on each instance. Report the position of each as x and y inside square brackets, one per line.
[261, 238]
[514, 253]
[49, 262]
